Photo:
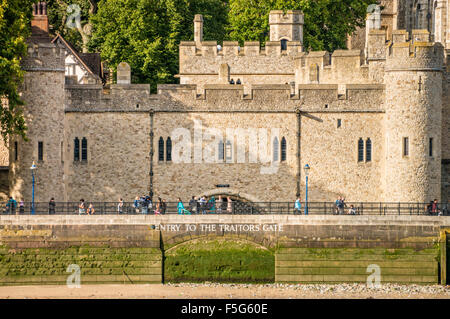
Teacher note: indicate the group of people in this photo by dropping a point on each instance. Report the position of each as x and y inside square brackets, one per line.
[204, 206]
[145, 205]
[11, 206]
[340, 205]
[433, 208]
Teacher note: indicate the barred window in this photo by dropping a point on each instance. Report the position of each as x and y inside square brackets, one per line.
[360, 150]
[221, 150]
[76, 149]
[169, 149]
[84, 149]
[276, 146]
[368, 150]
[40, 151]
[283, 149]
[161, 149]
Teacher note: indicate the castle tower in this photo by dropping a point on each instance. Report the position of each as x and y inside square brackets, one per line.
[43, 94]
[286, 26]
[413, 122]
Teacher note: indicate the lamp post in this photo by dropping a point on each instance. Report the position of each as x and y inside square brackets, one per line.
[306, 169]
[32, 168]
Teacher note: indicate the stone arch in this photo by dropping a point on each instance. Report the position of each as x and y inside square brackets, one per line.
[178, 241]
[232, 193]
[219, 259]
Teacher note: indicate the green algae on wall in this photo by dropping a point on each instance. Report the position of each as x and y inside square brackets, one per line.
[97, 265]
[333, 265]
[219, 260]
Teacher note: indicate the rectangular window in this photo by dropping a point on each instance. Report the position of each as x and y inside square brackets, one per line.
[360, 150]
[84, 149]
[16, 151]
[40, 151]
[405, 146]
[339, 123]
[76, 149]
[431, 147]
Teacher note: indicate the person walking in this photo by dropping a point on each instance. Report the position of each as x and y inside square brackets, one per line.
[91, 209]
[211, 205]
[435, 208]
[144, 205]
[202, 202]
[51, 206]
[21, 207]
[120, 206]
[11, 206]
[219, 205]
[164, 207]
[193, 205]
[136, 204]
[298, 207]
[81, 207]
[229, 205]
[180, 207]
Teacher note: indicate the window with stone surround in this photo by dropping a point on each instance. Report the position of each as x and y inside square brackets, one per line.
[221, 150]
[368, 150]
[228, 151]
[405, 146]
[40, 151]
[76, 149]
[161, 149]
[283, 44]
[84, 149]
[430, 147]
[276, 146]
[283, 149]
[360, 150]
[168, 149]
[16, 151]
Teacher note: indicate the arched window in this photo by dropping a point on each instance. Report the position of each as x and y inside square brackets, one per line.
[368, 150]
[161, 149]
[284, 44]
[360, 150]
[283, 149]
[169, 150]
[276, 147]
[221, 151]
[76, 149]
[84, 149]
[228, 151]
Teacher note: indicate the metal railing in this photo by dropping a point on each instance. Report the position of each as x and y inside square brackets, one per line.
[235, 207]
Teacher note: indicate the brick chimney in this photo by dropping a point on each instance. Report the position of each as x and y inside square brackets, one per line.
[39, 22]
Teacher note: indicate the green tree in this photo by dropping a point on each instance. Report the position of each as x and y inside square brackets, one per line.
[58, 15]
[146, 33]
[15, 27]
[327, 22]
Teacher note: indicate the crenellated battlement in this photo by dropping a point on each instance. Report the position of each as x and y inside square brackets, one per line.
[44, 56]
[417, 53]
[232, 48]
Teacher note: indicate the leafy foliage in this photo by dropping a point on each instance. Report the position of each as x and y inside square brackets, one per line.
[327, 22]
[14, 29]
[146, 33]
